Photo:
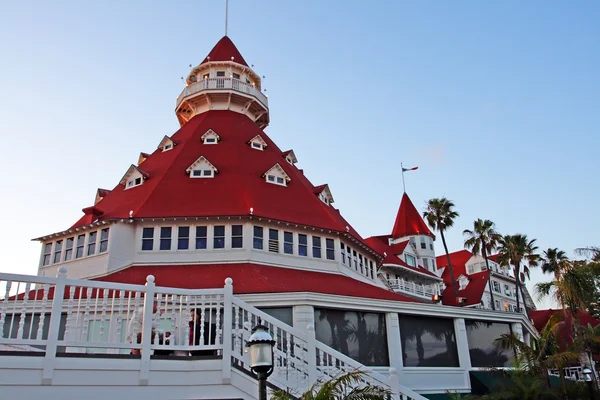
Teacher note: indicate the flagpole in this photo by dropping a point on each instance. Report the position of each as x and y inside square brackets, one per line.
[403, 185]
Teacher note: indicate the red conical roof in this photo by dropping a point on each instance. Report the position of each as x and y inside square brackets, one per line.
[409, 221]
[223, 51]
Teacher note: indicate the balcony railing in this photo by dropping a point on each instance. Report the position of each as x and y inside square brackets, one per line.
[217, 84]
[416, 289]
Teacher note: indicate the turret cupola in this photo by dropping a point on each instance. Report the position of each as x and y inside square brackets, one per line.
[223, 81]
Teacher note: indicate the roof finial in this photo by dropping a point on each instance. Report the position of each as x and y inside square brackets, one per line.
[226, 14]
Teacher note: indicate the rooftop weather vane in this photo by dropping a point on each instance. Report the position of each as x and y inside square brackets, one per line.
[403, 171]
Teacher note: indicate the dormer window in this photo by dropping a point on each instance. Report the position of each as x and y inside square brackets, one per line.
[290, 157]
[258, 143]
[134, 182]
[134, 177]
[167, 147]
[166, 144]
[277, 176]
[201, 168]
[324, 194]
[210, 137]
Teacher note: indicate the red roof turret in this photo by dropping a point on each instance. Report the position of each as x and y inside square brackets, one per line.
[223, 51]
[409, 221]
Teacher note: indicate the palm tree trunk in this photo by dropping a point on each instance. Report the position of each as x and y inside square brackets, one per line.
[489, 274]
[517, 283]
[454, 287]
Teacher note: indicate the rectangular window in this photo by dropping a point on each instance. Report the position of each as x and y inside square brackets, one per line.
[147, 239]
[280, 180]
[316, 247]
[273, 240]
[219, 237]
[165, 237]
[497, 302]
[423, 244]
[428, 342]
[430, 244]
[355, 259]
[80, 243]
[237, 238]
[410, 260]
[201, 237]
[103, 240]
[329, 244]
[349, 254]
[236, 76]
[47, 254]
[220, 73]
[371, 268]
[91, 248]
[257, 243]
[360, 264]
[425, 263]
[496, 286]
[481, 336]
[343, 253]
[69, 248]
[302, 245]
[57, 251]
[183, 238]
[288, 242]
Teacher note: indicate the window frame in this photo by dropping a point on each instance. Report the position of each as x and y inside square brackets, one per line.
[201, 238]
[148, 239]
[330, 250]
[288, 245]
[57, 251]
[183, 239]
[218, 240]
[47, 254]
[69, 249]
[316, 247]
[80, 246]
[273, 244]
[258, 239]
[103, 242]
[237, 239]
[302, 247]
[91, 243]
[164, 239]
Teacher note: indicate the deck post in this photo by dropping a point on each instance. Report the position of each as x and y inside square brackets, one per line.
[227, 330]
[147, 330]
[55, 316]
[311, 350]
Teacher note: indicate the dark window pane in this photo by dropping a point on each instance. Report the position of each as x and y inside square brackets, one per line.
[183, 243]
[288, 242]
[69, 249]
[57, 251]
[236, 230]
[359, 335]
[184, 232]
[284, 314]
[428, 342]
[146, 244]
[103, 240]
[273, 234]
[165, 232]
[200, 243]
[80, 242]
[257, 242]
[92, 243]
[220, 230]
[148, 233]
[303, 245]
[237, 243]
[201, 240]
[481, 336]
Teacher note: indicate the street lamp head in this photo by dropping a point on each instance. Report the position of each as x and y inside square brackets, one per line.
[587, 373]
[261, 344]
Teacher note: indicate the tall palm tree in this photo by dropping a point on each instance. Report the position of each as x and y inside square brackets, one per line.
[440, 215]
[483, 239]
[520, 252]
[554, 261]
[592, 252]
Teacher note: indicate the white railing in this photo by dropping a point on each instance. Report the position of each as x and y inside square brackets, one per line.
[61, 315]
[571, 373]
[224, 84]
[417, 289]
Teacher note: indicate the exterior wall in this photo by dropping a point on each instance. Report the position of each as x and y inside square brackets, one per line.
[120, 246]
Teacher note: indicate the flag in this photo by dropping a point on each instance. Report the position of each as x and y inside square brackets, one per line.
[410, 169]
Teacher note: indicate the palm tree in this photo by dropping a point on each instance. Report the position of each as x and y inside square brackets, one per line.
[592, 252]
[553, 261]
[515, 250]
[440, 215]
[483, 239]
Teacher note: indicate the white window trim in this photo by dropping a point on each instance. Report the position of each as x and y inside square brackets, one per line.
[200, 165]
[210, 134]
[166, 144]
[276, 172]
[257, 143]
[202, 175]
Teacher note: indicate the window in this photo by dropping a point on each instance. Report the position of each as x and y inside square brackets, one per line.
[257, 243]
[423, 244]
[183, 238]
[412, 241]
[69, 248]
[147, 239]
[165, 237]
[219, 237]
[343, 253]
[371, 268]
[330, 249]
[355, 258]
[430, 244]
[220, 73]
[167, 147]
[237, 239]
[280, 180]
[480, 337]
[236, 76]
[360, 263]
[79, 249]
[507, 290]
[316, 241]
[470, 269]
[205, 76]
[103, 240]
[410, 260]
[257, 145]
[210, 140]
[428, 342]
[496, 286]
[349, 254]
[47, 254]
[202, 173]
[134, 182]
[57, 251]
[288, 242]
[497, 303]
[433, 264]
[201, 241]
[462, 282]
[273, 240]
[91, 247]
[426, 263]
[302, 245]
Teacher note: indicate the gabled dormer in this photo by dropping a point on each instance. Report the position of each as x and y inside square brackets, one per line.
[134, 176]
[324, 194]
[166, 144]
[100, 194]
[142, 158]
[463, 281]
[257, 142]
[290, 157]
[210, 137]
[202, 168]
[277, 176]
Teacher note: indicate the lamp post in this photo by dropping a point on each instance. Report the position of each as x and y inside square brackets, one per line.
[587, 374]
[261, 357]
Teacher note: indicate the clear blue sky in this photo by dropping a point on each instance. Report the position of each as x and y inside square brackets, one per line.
[496, 102]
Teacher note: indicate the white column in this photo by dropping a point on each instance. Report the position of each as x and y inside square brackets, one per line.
[462, 347]
[227, 333]
[303, 316]
[57, 303]
[392, 326]
[517, 329]
[150, 291]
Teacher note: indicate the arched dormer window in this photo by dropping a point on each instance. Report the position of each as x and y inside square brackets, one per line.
[210, 137]
[134, 177]
[202, 168]
[276, 175]
[257, 142]
[166, 144]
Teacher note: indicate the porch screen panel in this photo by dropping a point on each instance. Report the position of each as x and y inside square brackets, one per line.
[359, 335]
[481, 336]
[428, 342]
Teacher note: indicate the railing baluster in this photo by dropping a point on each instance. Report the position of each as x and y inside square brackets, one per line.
[40, 330]
[4, 308]
[23, 311]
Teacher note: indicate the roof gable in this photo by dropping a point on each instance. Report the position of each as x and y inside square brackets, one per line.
[225, 50]
[277, 170]
[165, 143]
[143, 157]
[290, 157]
[324, 193]
[100, 194]
[210, 133]
[408, 220]
[131, 172]
[258, 139]
[201, 162]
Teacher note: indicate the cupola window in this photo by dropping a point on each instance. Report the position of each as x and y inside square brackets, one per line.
[236, 76]
[201, 168]
[258, 143]
[210, 137]
[277, 176]
[166, 144]
[220, 74]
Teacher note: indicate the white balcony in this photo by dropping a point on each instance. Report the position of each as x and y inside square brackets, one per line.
[412, 288]
[222, 85]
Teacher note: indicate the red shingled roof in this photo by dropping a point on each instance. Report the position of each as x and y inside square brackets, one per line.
[252, 278]
[473, 292]
[391, 251]
[223, 51]
[409, 221]
[458, 260]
